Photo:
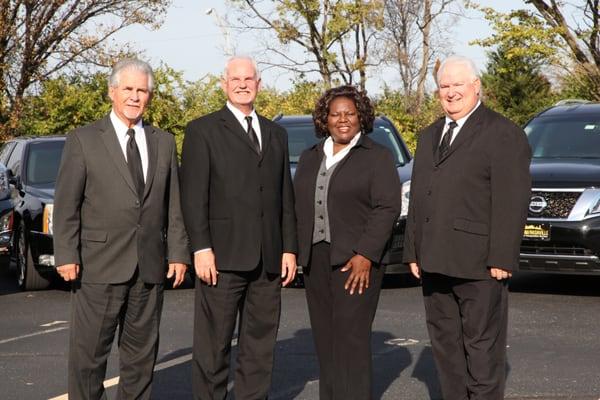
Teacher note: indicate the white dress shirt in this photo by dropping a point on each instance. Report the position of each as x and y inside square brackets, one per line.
[241, 117]
[459, 123]
[140, 139]
[330, 158]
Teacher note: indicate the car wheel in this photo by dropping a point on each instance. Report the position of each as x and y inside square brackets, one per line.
[28, 277]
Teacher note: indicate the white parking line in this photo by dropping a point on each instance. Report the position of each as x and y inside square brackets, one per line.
[114, 381]
[62, 328]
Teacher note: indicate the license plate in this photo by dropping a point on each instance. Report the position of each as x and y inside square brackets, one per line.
[536, 232]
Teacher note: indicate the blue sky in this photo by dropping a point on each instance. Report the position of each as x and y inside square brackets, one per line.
[190, 41]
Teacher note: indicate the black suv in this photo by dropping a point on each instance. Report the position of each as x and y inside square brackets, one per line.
[31, 168]
[562, 234]
[301, 135]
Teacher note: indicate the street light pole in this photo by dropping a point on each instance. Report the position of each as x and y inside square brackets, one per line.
[222, 24]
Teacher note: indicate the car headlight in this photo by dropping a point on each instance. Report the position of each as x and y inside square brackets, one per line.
[6, 222]
[48, 209]
[405, 198]
[595, 209]
[4, 186]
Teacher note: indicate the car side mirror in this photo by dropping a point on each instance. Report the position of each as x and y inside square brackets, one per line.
[13, 179]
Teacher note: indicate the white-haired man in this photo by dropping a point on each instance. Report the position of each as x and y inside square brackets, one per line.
[117, 220]
[469, 193]
[238, 206]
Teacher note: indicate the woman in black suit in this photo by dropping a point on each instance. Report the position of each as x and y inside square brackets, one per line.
[347, 199]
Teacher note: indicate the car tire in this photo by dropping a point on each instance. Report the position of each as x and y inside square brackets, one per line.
[28, 278]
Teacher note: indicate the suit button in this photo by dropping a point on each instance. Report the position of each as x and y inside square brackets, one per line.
[321, 187]
[260, 188]
[259, 164]
[429, 193]
[137, 202]
[321, 231]
[427, 219]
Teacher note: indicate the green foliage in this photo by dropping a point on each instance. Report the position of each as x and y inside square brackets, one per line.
[63, 104]
[580, 84]
[515, 87]
[395, 104]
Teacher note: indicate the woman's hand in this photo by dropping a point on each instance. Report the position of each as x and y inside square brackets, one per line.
[360, 272]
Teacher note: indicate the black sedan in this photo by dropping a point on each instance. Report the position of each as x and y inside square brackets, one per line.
[31, 168]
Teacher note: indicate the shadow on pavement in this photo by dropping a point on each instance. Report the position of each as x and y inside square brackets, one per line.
[295, 368]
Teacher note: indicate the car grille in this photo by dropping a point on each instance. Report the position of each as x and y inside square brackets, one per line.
[550, 249]
[559, 204]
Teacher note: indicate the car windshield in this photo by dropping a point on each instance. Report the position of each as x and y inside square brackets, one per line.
[575, 137]
[302, 136]
[43, 161]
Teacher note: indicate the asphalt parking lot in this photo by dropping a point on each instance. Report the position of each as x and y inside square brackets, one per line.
[554, 346]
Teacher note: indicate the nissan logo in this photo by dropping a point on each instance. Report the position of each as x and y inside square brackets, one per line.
[537, 204]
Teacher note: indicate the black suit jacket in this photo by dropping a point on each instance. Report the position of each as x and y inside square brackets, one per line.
[467, 211]
[99, 222]
[363, 201]
[235, 200]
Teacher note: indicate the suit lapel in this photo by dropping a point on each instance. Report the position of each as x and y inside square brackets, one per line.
[152, 144]
[437, 130]
[468, 130]
[235, 128]
[265, 133]
[109, 137]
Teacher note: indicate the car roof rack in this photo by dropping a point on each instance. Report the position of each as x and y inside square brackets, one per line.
[567, 102]
[277, 117]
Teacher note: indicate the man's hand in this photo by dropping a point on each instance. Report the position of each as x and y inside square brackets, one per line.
[414, 268]
[177, 270]
[500, 273]
[68, 272]
[206, 269]
[361, 269]
[288, 268]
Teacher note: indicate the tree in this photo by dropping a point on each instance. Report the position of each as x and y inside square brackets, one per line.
[523, 46]
[337, 35]
[413, 43]
[41, 38]
[64, 103]
[580, 34]
[515, 86]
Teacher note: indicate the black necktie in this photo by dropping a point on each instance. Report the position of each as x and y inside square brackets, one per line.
[252, 134]
[444, 146]
[134, 162]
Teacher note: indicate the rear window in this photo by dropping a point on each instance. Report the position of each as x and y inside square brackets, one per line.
[575, 137]
[302, 136]
[43, 161]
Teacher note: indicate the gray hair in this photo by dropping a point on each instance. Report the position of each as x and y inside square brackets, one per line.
[467, 62]
[131, 63]
[242, 57]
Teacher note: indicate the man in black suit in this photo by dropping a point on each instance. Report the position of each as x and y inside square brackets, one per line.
[238, 206]
[117, 220]
[469, 193]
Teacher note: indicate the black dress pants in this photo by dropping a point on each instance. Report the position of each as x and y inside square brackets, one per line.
[467, 324]
[96, 311]
[256, 297]
[341, 325]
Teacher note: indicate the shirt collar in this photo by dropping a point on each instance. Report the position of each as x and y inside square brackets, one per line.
[460, 122]
[239, 115]
[120, 127]
[328, 146]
